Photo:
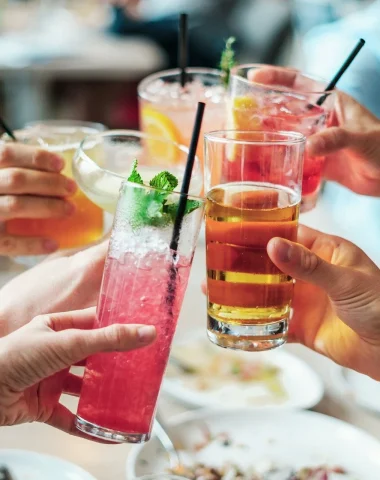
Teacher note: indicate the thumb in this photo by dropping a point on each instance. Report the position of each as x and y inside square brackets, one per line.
[302, 264]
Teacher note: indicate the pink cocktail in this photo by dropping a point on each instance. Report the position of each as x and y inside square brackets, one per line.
[144, 282]
[266, 98]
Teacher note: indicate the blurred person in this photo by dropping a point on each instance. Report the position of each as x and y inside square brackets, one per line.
[159, 22]
[35, 361]
[31, 186]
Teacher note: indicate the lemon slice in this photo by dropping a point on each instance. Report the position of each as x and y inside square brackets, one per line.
[158, 125]
[242, 116]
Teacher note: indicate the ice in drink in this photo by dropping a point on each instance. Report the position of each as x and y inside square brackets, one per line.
[120, 390]
[144, 282]
[167, 109]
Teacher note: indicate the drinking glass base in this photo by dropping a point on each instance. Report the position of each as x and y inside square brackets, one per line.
[251, 338]
[108, 434]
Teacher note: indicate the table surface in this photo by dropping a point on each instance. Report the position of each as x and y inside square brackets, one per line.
[108, 462]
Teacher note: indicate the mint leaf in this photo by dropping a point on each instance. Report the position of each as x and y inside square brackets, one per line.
[151, 207]
[164, 181]
[134, 176]
[171, 209]
[227, 60]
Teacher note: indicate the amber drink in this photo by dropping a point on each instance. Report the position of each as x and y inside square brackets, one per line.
[249, 298]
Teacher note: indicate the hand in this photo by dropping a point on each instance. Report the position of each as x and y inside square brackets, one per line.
[352, 143]
[336, 298]
[59, 284]
[35, 361]
[351, 147]
[31, 187]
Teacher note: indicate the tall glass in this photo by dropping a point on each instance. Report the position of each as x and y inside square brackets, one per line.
[168, 110]
[144, 282]
[86, 224]
[249, 298]
[267, 98]
[104, 160]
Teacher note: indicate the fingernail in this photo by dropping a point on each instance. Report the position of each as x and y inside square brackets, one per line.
[58, 163]
[146, 334]
[71, 186]
[50, 245]
[69, 208]
[283, 250]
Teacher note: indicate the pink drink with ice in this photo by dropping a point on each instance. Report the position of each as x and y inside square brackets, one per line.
[120, 390]
[144, 282]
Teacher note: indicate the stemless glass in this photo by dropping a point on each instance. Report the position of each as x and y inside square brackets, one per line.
[168, 110]
[144, 282]
[268, 98]
[104, 160]
[86, 224]
[249, 298]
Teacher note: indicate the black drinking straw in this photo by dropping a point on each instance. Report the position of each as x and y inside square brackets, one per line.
[187, 176]
[183, 46]
[7, 130]
[341, 71]
[182, 203]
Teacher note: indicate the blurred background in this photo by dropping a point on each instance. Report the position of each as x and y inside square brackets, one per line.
[82, 59]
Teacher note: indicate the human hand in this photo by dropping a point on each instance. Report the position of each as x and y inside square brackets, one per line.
[35, 362]
[59, 284]
[31, 187]
[336, 304]
[351, 145]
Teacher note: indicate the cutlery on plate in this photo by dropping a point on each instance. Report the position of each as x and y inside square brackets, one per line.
[161, 430]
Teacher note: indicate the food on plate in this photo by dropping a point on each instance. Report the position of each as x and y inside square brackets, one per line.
[236, 463]
[203, 367]
[231, 472]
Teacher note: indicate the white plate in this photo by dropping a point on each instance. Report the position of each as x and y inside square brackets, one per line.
[296, 439]
[301, 385]
[25, 465]
[357, 388]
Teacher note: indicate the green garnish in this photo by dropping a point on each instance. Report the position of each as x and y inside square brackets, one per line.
[154, 207]
[164, 181]
[134, 176]
[227, 60]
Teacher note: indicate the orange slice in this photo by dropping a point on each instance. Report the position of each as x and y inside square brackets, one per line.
[158, 125]
[242, 116]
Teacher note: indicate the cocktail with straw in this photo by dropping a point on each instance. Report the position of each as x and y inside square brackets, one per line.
[168, 99]
[144, 281]
[267, 98]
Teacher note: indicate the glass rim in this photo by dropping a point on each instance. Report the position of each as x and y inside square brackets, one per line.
[177, 193]
[279, 88]
[127, 133]
[65, 123]
[283, 137]
[172, 72]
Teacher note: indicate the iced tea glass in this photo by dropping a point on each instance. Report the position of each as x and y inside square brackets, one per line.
[144, 282]
[168, 110]
[248, 297]
[86, 224]
[268, 98]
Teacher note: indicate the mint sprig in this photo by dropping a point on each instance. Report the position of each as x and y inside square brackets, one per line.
[227, 60]
[153, 207]
[134, 176]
